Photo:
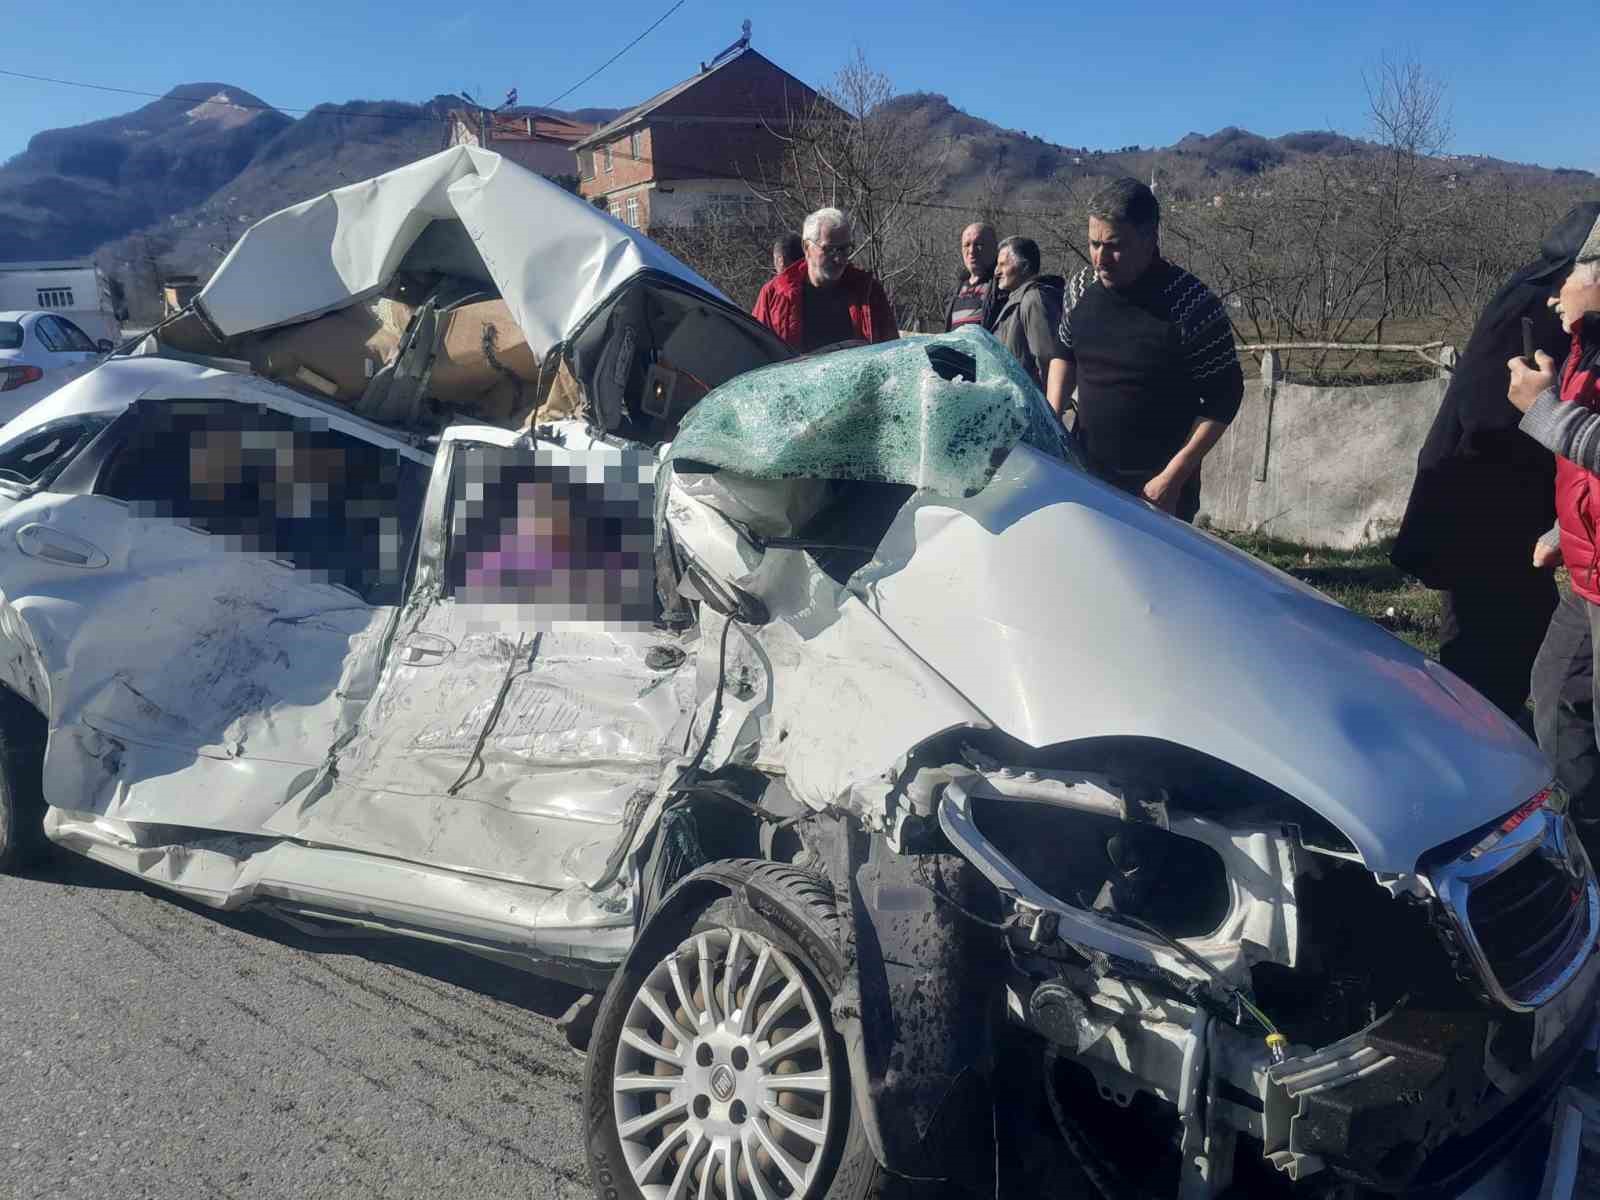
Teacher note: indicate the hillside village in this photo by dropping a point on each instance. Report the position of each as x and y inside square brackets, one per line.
[166, 189]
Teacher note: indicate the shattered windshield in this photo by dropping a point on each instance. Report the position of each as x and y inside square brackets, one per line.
[938, 413]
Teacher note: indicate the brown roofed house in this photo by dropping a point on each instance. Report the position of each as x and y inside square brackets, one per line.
[542, 142]
[690, 149]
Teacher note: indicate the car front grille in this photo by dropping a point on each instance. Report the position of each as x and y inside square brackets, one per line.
[1525, 906]
[1528, 919]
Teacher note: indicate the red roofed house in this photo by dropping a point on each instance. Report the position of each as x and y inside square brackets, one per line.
[539, 141]
[691, 149]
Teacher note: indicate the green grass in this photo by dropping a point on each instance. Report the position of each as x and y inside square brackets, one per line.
[1364, 581]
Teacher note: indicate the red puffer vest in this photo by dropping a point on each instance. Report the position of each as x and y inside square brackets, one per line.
[1577, 490]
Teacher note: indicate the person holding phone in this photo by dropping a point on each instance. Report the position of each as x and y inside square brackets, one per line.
[1561, 411]
[1483, 491]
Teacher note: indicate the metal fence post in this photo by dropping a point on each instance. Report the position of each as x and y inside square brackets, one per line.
[1269, 393]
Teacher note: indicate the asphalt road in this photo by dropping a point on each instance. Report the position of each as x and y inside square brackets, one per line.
[153, 1048]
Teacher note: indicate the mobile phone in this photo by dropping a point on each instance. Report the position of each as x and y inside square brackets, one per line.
[1527, 342]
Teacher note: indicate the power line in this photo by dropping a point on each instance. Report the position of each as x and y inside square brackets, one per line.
[121, 91]
[618, 54]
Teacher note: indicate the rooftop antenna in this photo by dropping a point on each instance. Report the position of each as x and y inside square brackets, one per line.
[742, 43]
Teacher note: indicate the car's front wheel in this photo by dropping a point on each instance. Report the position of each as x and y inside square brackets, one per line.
[715, 1070]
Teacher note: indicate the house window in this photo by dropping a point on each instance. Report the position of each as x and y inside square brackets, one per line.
[636, 144]
[633, 211]
[586, 165]
[605, 158]
[55, 297]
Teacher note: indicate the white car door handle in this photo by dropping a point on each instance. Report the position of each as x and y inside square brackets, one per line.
[425, 650]
[58, 546]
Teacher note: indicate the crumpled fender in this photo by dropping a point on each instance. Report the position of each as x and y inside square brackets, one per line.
[21, 666]
[916, 1010]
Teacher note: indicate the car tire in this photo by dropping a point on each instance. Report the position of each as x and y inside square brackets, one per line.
[720, 1105]
[22, 806]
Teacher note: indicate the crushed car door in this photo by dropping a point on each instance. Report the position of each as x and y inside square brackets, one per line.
[201, 603]
[529, 701]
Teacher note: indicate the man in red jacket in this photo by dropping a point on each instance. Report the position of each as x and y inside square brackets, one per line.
[1563, 414]
[823, 299]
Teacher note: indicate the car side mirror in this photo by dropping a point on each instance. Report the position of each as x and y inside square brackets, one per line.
[105, 345]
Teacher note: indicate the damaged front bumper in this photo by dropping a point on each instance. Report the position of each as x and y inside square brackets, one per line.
[1422, 1104]
[1429, 1101]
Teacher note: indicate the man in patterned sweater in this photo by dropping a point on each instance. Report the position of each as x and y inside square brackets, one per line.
[1151, 354]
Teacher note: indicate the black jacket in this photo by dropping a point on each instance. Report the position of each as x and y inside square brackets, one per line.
[1484, 491]
[993, 298]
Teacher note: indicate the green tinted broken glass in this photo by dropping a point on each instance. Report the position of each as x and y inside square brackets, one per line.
[938, 413]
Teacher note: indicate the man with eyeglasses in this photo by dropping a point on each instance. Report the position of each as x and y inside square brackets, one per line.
[824, 299]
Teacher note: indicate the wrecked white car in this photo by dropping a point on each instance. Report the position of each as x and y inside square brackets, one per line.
[897, 782]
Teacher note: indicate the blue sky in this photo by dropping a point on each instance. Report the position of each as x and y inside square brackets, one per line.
[1100, 75]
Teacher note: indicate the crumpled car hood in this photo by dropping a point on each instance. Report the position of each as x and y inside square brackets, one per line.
[1063, 610]
[553, 256]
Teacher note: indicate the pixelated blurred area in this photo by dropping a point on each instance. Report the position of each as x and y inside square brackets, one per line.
[283, 487]
[555, 540]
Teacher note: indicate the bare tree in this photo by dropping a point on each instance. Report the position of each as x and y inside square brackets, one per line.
[1409, 111]
[732, 246]
[994, 193]
[852, 148]
[1411, 125]
[1339, 248]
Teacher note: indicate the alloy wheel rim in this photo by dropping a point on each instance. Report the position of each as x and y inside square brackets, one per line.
[723, 1081]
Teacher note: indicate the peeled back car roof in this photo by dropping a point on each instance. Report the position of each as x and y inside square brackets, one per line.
[552, 255]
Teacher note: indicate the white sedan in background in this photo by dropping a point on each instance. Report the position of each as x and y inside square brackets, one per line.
[40, 351]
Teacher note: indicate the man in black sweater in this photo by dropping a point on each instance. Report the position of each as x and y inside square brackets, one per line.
[1150, 351]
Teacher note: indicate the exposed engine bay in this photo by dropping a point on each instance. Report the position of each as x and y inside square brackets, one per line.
[1236, 984]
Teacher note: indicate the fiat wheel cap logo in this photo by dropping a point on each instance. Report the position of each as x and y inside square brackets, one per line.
[722, 1083]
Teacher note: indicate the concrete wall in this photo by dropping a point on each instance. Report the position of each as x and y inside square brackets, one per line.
[1319, 466]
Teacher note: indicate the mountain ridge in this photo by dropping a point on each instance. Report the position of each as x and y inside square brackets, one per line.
[173, 183]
